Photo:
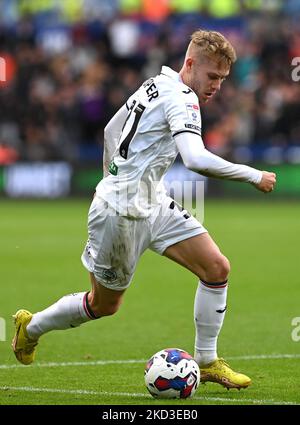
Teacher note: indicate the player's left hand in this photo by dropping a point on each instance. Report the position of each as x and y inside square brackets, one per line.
[267, 182]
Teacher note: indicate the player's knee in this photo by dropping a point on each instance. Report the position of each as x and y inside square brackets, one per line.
[225, 268]
[218, 270]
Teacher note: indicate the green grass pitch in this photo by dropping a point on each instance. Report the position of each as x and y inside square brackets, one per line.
[103, 362]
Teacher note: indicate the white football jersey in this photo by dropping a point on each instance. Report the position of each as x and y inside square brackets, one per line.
[143, 148]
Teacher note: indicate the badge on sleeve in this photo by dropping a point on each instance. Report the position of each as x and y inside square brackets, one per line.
[193, 112]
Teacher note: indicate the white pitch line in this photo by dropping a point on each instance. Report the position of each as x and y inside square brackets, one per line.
[133, 361]
[66, 364]
[136, 395]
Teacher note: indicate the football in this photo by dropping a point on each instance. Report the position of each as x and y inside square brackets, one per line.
[172, 373]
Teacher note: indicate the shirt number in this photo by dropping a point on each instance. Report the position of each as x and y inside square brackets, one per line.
[138, 112]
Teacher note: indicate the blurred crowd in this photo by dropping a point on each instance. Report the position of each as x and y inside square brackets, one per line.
[66, 67]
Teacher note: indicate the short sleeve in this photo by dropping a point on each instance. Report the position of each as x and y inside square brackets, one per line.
[182, 111]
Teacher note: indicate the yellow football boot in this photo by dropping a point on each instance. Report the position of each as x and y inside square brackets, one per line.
[220, 372]
[22, 345]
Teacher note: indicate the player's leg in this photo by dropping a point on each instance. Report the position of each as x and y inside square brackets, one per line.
[68, 312]
[201, 255]
[183, 239]
[102, 300]
[72, 310]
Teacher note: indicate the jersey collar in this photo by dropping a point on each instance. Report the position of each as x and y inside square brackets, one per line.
[165, 70]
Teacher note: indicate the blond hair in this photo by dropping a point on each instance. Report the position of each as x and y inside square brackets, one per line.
[212, 44]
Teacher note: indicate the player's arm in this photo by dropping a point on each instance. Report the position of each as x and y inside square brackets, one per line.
[196, 158]
[112, 135]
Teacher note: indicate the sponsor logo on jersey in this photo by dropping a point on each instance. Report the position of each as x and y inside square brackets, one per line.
[193, 112]
[193, 127]
[113, 168]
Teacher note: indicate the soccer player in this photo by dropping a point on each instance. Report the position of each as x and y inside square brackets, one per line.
[131, 212]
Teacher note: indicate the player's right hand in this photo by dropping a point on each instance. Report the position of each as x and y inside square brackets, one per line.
[267, 182]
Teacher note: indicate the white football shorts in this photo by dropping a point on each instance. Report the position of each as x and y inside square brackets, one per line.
[115, 242]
